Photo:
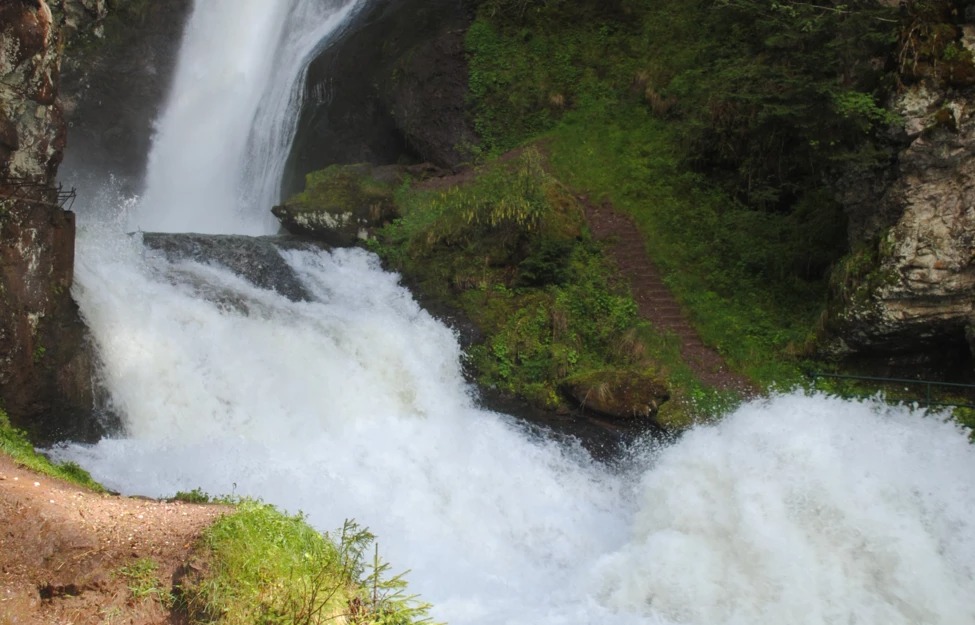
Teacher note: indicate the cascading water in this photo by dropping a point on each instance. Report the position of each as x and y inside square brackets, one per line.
[221, 144]
[797, 509]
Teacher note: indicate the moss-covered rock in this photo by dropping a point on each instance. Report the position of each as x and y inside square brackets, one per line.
[618, 393]
[342, 204]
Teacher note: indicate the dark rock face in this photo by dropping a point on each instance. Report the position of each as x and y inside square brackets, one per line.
[45, 368]
[254, 258]
[114, 81]
[391, 89]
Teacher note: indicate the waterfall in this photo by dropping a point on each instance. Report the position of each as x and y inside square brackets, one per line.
[221, 144]
[350, 403]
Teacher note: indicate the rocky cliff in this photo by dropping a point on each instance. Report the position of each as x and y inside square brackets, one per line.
[114, 80]
[906, 294]
[45, 372]
[391, 89]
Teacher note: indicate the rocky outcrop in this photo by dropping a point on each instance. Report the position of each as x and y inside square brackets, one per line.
[80, 17]
[907, 290]
[344, 204]
[618, 394]
[45, 372]
[391, 89]
[255, 259]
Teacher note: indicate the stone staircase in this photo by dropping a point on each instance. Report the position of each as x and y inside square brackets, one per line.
[654, 299]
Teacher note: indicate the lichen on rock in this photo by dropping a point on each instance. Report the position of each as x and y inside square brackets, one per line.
[908, 287]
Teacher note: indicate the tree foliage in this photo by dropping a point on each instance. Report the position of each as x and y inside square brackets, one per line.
[788, 91]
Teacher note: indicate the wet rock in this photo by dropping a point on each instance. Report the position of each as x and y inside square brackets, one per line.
[391, 89]
[45, 363]
[115, 77]
[253, 258]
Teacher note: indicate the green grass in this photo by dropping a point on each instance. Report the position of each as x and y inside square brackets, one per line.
[15, 444]
[142, 579]
[262, 566]
[621, 96]
[727, 265]
[511, 251]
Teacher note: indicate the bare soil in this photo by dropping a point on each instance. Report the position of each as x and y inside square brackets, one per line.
[63, 550]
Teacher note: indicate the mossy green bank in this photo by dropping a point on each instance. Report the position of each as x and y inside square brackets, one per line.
[259, 565]
[14, 443]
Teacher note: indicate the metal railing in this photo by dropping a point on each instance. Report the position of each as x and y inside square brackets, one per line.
[23, 189]
[929, 386]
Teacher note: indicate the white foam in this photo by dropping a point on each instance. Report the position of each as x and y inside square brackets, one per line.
[804, 510]
[798, 510]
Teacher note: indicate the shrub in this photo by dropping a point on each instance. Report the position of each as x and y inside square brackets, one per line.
[262, 566]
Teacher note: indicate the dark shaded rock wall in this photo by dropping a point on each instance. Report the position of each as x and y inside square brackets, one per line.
[114, 83]
[391, 89]
[45, 372]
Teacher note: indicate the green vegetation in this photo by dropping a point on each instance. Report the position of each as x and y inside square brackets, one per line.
[966, 417]
[510, 250]
[15, 444]
[142, 579]
[197, 495]
[718, 126]
[338, 187]
[262, 566]
[714, 124]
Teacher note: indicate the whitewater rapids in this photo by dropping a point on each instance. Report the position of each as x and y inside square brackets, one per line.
[792, 510]
[795, 509]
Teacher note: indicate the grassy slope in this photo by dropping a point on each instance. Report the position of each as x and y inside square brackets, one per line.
[15, 444]
[617, 94]
[631, 99]
[258, 564]
[714, 124]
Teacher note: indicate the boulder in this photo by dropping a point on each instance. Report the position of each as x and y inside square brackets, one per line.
[343, 204]
[619, 394]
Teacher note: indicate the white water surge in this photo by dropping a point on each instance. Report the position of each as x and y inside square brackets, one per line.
[798, 510]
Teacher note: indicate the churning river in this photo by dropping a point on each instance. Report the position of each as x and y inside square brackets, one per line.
[792, 510]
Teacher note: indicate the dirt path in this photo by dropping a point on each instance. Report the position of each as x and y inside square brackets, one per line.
[63, 548]
[655, 301]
